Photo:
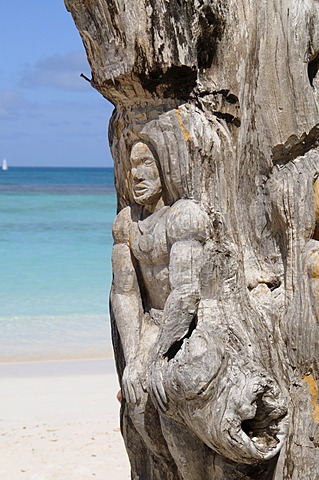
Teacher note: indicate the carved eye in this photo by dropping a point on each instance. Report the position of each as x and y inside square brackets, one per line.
[149, 162]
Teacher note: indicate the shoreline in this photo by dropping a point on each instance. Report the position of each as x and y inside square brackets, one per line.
[55, 355]
[57, 367]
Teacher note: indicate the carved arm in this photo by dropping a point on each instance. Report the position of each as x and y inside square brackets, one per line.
[126, 300]
[187, 231]
[181, 306]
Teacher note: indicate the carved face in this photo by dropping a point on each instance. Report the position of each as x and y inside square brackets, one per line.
[147, 187]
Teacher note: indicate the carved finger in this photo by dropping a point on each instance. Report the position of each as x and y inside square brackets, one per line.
[159, 396]
[125, 392]
[126, 387]
[158, 401]
[132, 394]
[162, 394]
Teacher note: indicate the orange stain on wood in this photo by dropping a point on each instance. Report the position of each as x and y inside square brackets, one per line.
[316, 194]
[313, 389]
[315, 265]
[186, 133]
[316, 199]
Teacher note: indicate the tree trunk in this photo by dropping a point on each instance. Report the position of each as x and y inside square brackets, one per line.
[214, 302]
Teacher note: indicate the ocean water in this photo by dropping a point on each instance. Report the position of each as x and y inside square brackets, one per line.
[55, 262]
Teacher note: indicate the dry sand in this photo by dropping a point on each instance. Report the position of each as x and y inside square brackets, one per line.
[60, 421]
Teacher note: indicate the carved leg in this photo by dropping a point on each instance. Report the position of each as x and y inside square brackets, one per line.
[149, 456]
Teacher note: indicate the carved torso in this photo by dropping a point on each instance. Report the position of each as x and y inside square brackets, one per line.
[151, 238]
[148, 238]
[149, 246]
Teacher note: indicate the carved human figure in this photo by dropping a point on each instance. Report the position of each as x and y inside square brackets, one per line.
[155, 292]
[157, 251]
[158, 260]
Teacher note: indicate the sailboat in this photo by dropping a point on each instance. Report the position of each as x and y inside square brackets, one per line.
[4, 164]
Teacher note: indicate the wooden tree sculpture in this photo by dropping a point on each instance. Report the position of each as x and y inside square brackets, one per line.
[214, 301]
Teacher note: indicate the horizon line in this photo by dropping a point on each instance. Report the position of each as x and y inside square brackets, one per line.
[57, 166]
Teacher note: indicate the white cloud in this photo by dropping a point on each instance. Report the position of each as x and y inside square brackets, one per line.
[11, 102]
[58, 72]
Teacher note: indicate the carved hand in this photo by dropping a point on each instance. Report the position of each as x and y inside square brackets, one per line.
[132, 388]
[156, 385]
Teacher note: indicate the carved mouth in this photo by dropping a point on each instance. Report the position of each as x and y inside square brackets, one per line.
[140, 189]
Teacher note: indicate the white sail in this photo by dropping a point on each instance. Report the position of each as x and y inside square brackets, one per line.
[4, 164]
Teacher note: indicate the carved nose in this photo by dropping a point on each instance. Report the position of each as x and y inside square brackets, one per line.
[137, 174]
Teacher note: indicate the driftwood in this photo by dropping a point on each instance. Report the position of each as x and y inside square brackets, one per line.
[214, 301]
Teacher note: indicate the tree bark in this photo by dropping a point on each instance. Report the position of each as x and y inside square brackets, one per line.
[214, 302]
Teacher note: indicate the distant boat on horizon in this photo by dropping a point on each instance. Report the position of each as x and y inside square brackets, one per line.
[4, 165]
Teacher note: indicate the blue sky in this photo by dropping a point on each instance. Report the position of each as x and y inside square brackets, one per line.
[49, 116]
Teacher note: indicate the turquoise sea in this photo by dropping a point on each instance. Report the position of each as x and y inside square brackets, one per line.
[55, 261]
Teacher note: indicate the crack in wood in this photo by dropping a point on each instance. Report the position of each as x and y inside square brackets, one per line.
[295, 146]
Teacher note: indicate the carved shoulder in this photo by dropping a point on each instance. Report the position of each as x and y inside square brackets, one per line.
[122, 226]
[187, 221]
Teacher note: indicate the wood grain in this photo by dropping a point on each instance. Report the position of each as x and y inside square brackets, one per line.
[214, 302]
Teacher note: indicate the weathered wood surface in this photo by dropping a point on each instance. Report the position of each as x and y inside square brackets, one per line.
[214, 301]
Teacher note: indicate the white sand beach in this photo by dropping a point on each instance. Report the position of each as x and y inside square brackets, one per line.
[60, 421]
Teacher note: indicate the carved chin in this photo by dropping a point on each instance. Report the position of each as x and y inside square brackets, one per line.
[147, 195]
